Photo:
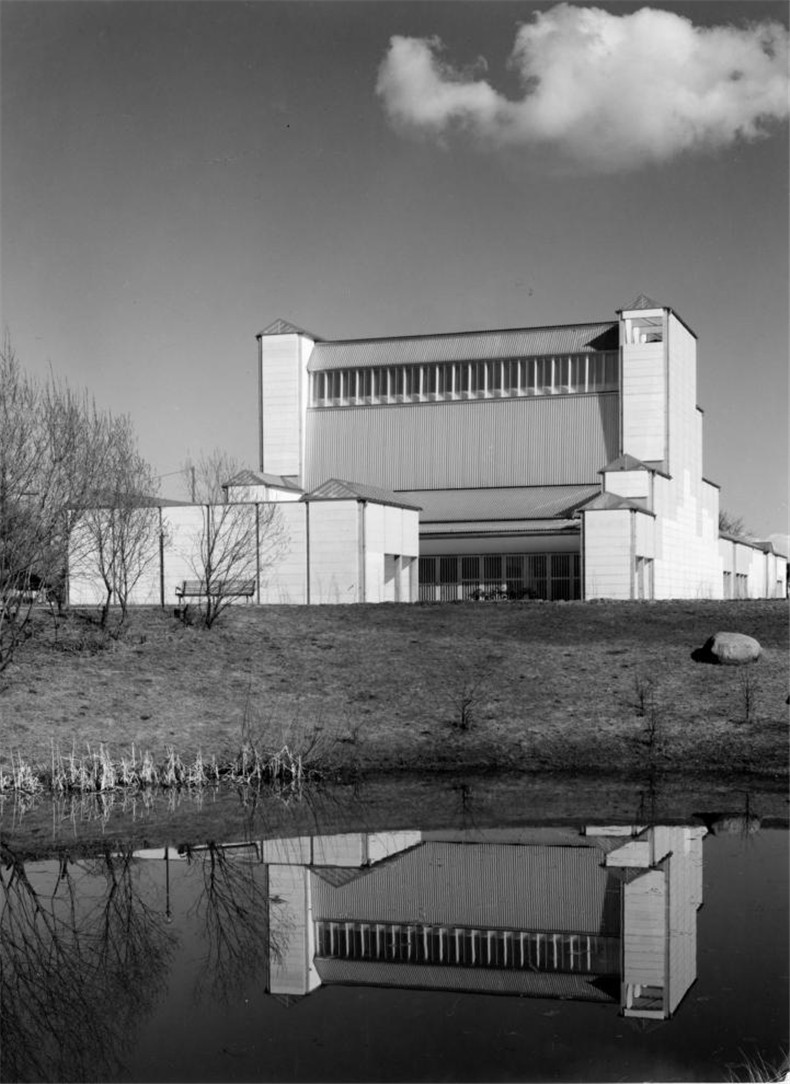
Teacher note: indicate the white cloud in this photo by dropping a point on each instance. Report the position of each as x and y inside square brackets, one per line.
[608, 91]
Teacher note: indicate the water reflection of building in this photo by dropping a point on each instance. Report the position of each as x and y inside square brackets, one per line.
[607, 914]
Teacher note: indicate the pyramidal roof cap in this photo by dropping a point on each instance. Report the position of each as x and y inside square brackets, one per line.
[642, 301]
[626, 461]
[285, 327]
[612, 502]
[335, 489]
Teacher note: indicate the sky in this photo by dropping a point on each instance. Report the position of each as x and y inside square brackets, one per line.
[176, 175]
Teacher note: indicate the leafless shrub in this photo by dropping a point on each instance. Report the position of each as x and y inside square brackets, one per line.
[647, 708]
[238, 542]
[749, 686]
[645, 688]
[466, 693]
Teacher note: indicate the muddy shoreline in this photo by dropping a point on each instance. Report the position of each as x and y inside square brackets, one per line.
[230, 814]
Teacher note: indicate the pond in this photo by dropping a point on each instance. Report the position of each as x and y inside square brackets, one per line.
[446, 950]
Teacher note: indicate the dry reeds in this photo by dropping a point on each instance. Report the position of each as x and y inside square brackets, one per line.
[96, 772]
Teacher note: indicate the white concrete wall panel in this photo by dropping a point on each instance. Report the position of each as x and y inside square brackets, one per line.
[86, 587]
[608, 563]
[685, 895]
[644, 930]
[348, 849]
[293, 851]
[291, 931]
[644, 535]
[627, 483]
[374, 551]
[405, 579]
[284, 572]
[684, 418]
[334, 552]
[375, 527]
[644, 400]
[85, 584]
[393, 530]
[261, 494]
[383, 844]
[727, 555]
[551, 440]
[283, 383]
[743, 560]
[411, 532]
[184, 528]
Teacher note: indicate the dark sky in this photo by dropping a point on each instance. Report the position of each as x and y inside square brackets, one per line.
[176, 175]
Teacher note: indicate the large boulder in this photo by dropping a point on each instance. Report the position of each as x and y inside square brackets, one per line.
[729, 649]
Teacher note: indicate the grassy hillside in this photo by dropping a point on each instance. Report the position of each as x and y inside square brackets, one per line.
[605, 688]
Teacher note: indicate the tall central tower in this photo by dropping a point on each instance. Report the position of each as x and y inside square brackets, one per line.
[283, 353]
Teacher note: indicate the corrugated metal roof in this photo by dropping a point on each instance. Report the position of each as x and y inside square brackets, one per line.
[611, 502]
[580, 987]
[499, 527]
[258, 478]
[512, 503]
[465, 346]
[335, 489]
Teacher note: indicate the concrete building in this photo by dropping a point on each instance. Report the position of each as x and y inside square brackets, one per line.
[342, 543]
[552, 462]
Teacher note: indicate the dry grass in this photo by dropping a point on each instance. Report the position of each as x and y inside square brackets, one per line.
[584, 687]
[96, 771]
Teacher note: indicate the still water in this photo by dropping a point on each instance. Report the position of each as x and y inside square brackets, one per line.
[537, 952]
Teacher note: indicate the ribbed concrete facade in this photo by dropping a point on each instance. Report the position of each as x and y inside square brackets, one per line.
[489, 443]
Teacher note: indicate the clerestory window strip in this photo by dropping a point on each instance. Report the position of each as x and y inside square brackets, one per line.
[506, 378]
[464, 946]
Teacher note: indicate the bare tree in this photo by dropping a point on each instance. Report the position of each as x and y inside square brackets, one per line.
[734, 525]
[238, 541]
[51, 457]
[122, 536]
[58, 455]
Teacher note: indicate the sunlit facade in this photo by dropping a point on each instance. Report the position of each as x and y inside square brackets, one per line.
[554, 462]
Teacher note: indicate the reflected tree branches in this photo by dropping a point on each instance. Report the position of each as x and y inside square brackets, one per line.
[233, 908]
[83, 959]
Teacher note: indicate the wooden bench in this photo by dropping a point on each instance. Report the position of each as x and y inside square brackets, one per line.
[236, 588]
